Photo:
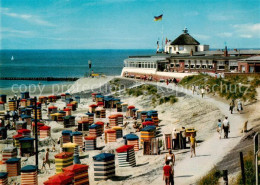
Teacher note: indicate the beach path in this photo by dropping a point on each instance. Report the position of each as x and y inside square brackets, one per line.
[210, 152]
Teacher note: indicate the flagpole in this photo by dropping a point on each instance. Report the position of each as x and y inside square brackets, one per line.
[162, 36]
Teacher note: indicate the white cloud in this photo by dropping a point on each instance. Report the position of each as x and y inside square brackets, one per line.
[103, 2]
[249, 30]
[27, 17]
[246, 36]
[191, 13]
[202, 37]
[220, 17]
[225, 34]
[9, 30]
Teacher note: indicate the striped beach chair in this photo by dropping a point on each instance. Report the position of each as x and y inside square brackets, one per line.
[132, 139]
[90, 143]
[80, 172]
[29, 175]
[126, 156]
[104, 166]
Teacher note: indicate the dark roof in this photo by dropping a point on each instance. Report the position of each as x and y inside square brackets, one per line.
[3, 175]
[13, 160]
[29, 168]
[104, 156]
[185, 39]
[130, 137]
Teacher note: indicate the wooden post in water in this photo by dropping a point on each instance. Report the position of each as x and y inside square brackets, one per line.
[242, 168]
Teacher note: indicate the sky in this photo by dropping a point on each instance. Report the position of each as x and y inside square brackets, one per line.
[126, 24]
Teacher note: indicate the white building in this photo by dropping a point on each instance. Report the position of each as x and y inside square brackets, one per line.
[185, 44]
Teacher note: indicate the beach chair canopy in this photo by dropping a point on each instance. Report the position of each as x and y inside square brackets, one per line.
[149, 128]
[124, 148]
[94, 126]
[131, 137]
[64, 155]
[104, 157]
[66, 132]
[76, 133]
[3, 175]
[90, 138]
[90, 114]
[45, 127]
[13, 160]
[76, 168]
[29, 168]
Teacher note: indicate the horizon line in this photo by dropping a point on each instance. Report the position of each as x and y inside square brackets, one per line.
[122, 49]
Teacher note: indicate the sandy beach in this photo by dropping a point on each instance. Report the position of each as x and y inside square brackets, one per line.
[190, 111]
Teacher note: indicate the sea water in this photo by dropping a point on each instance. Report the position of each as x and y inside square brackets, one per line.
[60, 63]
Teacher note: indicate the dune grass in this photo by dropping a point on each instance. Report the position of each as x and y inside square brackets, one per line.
[211, 178]
[232, 87]
[151, 90]
[249, 170]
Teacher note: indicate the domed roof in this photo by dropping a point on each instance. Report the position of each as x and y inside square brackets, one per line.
[185, 39]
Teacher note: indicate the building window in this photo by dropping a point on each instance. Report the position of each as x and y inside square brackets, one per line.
[181, 48]
[187, 64]
[204, 64]
[174, 48]
[176, 63]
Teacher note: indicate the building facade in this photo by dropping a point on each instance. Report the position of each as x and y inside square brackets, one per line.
[184, 43]
[185, 56]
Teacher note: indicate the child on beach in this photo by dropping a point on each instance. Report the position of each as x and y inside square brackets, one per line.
[167, 171]
[170, 157]
[219, 129]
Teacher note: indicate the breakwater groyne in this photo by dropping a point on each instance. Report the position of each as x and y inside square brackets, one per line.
[41, 78]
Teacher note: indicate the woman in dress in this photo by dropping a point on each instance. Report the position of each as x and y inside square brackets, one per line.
[239, 106]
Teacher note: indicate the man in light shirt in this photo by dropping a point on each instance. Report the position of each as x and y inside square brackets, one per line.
[226, 127]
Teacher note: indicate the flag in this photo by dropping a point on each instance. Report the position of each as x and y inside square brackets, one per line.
[158, 18]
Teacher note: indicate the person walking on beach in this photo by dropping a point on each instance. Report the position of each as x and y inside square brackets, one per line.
[174, 139]
[167, 172]
[226, 127]
[239, 106]
[171, 158]
[202, 90]
[193, 88]
[231, 107]
[198, 90]
[193, 144]
[46, 160]
[219, 129]
[183, 138]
